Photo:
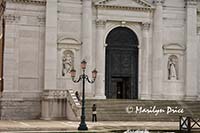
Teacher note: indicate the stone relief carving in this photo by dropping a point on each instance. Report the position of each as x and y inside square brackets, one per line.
[172, 67]
[67, 62]
[12, 18]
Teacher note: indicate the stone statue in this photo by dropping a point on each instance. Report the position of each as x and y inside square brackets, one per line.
[66, 64]
[172, 73]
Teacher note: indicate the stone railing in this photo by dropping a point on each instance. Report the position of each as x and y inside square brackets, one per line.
[74, 103]
[52, 99]
[55, 94]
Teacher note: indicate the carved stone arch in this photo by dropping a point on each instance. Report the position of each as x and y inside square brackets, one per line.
[121, 64]
[133, 27]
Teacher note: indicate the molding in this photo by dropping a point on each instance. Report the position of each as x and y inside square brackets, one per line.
[174, 46]
[141, 2]
[145, 5]
[125, 8]
[36, 2]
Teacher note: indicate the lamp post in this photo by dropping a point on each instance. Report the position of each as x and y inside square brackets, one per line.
[83, 77]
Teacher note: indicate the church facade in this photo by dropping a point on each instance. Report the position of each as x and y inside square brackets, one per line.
[142, 50]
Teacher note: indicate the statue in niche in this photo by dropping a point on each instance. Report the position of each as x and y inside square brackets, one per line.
[172, 68]
[66, 63]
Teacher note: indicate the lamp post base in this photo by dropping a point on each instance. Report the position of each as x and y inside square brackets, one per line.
[82, 127]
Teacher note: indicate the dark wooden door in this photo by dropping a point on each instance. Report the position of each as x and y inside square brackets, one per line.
[122, 65]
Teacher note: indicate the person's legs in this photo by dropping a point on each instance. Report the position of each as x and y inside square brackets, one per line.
[92, 117]
[95, 118]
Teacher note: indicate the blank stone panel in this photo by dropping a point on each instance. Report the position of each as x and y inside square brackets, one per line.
[28, 84]
[70, 27]
[174, 35]
[28, 52]
[174, 3]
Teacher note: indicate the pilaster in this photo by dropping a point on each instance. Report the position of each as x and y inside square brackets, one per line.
[87, 47]
[50, 61]
[191, 53]
[100, 60]
[157, 74]
[146, 83]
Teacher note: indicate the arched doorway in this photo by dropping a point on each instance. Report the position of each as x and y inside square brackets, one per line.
[122, 64]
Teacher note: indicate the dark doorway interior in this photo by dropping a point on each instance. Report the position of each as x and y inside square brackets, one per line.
[122, 64]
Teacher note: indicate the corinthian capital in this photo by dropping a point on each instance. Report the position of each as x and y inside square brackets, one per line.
[158, 2]
[191, 2]
[100, 22]
[145, 26]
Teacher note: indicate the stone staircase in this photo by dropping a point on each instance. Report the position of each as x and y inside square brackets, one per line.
[142, 110]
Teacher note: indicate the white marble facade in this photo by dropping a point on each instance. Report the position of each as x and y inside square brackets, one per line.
[44, 39]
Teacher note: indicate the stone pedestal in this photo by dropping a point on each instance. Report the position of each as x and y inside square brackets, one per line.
[54, 104]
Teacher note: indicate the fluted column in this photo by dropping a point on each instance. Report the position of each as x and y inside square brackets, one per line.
[146, 85]
[191, 53]
[100, 60]
[157, 73]
[87, 47]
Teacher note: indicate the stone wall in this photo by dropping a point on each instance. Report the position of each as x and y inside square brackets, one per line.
[20, 109]
[23, 59]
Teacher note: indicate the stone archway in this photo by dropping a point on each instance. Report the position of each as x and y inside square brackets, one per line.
[121, 64]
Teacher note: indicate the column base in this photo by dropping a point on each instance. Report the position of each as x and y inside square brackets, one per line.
[191, 98]
[100, 97]
[145, 97]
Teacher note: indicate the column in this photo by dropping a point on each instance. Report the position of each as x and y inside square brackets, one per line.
[157, 73]
[87, 47]
[146, 57]
[50, 61]
[50, 45]
[198, 41]
[100, 60]
[191, 53]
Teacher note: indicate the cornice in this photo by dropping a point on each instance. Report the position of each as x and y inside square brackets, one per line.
[145, 6]
[125, 8]
[37, 2]
[141, 2]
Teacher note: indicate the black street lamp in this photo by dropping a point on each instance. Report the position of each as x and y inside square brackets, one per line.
[83, 76]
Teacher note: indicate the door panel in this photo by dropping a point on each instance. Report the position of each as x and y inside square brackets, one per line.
[121, 64]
